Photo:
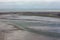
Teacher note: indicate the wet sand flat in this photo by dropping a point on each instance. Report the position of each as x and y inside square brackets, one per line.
[8, 32]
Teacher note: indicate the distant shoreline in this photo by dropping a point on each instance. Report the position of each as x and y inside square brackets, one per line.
[33, 11]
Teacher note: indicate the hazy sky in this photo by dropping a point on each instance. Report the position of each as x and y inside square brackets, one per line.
[29, 4]
[26, 0]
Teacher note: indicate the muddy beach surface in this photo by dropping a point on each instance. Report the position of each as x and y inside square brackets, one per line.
[9, 32]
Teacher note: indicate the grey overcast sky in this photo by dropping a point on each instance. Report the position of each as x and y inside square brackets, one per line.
[16, 5]
[26, 0]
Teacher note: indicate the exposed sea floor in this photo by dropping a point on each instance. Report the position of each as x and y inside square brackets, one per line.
[9, 32]
[15, 27]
